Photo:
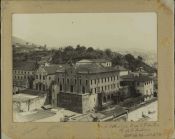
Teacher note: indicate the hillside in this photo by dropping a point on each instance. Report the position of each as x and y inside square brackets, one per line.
[23, 51]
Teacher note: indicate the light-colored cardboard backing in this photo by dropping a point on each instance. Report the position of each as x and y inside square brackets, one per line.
[162, 129]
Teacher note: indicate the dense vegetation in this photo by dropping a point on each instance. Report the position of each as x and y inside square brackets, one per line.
[69, 53]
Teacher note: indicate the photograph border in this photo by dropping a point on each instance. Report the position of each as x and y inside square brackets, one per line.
[161, 129]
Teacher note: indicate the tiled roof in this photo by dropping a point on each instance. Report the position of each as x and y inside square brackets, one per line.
[51, 69]
[26, 66]
[87, 68]
[116, 111]
[120, 68]
[140, 78]
[94, 68]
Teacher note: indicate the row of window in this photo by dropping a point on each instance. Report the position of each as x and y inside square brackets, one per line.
[92, 81]
[41, 77]
[72, 89]
[40, 87]
[20, 77]
[107, 79]
[21, 71]
[105, 88]
[68, 81]
[149, 82]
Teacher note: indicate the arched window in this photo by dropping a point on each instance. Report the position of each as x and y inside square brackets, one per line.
[104, 99]
[71, 88]
[108, 97]
[36, 86]
[61, 87]
[83, 89]
[39, 86]
[44, 88]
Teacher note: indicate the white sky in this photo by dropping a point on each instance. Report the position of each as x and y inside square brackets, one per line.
[116, 31]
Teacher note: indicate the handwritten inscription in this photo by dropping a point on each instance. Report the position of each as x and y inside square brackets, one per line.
[135, 129]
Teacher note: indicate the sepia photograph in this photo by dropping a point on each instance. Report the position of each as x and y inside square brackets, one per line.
[84, 67]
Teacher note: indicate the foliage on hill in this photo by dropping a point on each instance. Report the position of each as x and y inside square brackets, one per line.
[70, 53]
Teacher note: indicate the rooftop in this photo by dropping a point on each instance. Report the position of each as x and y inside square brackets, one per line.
[32, 92]
[23, 97]
[26, 66]
[51, 69]
[140, 78]
[121, 68]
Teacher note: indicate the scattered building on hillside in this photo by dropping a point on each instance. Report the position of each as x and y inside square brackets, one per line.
[104, 62]
[139, 85]
[23, 75]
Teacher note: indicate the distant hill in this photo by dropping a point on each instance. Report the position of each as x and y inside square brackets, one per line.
[20, 45]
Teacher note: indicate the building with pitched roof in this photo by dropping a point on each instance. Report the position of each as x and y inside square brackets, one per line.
[86, 87]
[23, 74]
[139, 85]
[44, 76]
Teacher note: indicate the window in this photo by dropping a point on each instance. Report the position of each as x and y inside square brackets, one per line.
[111, 78]
[83, 89]
[63, 80]
[91, 90]
[102, 88]
[61, 87]
[114, 78]
[49, 78]
[102, 80]
[36, 76]
[91, 82]
[44, 87]
[105, 87]
[105, 79]
[24, 77]
[108, 79]
[75, 81]
[43, 77]
[58, 80]
[86, 82]
[80, 81]
[95, 90]
[104, 99]
[71, 88]
[68, 81]
[95, 81]
[138, 83]
[40, 77]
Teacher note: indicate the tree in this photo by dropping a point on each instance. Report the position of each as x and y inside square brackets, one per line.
[108, 52]
[90, 49]
[140, 58]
